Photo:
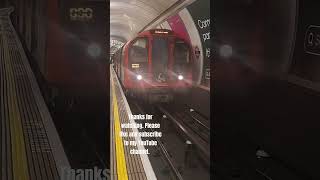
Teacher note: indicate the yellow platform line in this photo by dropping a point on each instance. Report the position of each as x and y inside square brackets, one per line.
[121, 161]
[19, 159]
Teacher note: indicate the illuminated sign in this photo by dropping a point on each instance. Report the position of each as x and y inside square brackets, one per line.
[312, 40]
[135, 65]
[80, 14]
[160, 31]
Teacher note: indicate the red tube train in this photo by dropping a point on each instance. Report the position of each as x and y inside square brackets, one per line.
[155, 65]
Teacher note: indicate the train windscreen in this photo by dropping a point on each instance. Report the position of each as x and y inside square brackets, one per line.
[160, 58]
[139, 51]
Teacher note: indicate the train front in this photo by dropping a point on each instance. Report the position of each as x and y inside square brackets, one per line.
[159, 65]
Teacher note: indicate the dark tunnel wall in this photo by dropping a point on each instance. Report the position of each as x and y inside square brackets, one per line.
[255, 105]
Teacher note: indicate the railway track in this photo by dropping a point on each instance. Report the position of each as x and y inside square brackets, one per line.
[195, 143]
[162, 150]
[190, 120]
[198, 117]
[200, 139]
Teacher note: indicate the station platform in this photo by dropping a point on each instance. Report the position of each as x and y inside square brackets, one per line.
[125, 166]
[30, 145]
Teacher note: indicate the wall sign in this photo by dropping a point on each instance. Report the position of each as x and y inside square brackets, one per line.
[200, 13]
[79, 14]
[312, 40]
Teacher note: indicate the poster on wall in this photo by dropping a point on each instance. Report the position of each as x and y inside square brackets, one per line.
[202, 20]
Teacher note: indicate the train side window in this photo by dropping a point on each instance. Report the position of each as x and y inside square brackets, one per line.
[138, 52]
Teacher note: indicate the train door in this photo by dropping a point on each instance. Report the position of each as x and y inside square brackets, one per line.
[160, 58]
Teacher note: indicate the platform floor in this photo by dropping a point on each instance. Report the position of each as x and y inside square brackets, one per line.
[30, 146]
[125, 166]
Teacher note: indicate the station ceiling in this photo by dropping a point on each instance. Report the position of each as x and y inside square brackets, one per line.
[128, 17]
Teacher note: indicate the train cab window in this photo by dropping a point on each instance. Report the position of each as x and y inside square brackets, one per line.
[181, 52]
[160, 50]
[138, 52]
[160, 55]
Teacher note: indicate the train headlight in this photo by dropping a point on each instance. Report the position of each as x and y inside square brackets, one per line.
[180, 77]
[139, 77]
